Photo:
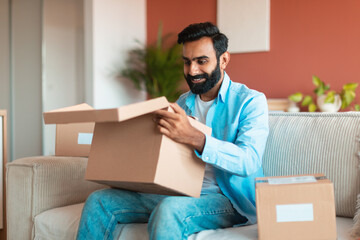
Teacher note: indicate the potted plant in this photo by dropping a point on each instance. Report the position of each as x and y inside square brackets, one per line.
[327, 100]
[156, 69]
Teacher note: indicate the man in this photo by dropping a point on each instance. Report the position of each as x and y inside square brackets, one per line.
[233, 153]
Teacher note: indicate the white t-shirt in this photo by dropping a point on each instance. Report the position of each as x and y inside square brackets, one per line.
[209, 183]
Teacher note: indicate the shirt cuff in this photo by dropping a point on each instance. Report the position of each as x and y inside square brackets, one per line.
[209, 152]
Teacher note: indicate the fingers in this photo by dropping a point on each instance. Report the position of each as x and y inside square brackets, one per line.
[163, 123]
[173, 123]
[164, 131]
[177, 108]
[166, 114]
[172, 115]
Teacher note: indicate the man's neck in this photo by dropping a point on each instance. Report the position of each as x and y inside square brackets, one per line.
[212, 93]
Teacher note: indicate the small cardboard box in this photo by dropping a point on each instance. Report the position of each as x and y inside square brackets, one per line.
[74, 139]
[295, 207]
[129, 152]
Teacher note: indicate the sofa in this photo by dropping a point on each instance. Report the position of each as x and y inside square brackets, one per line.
[45, 194]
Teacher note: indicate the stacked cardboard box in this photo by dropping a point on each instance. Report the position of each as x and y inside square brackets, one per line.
[74, 139]
[295, 207]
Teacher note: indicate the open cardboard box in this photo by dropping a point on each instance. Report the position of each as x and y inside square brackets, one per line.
[295, 207]
[129, 152]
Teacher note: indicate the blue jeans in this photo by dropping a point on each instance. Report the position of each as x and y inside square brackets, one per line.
[168, 217]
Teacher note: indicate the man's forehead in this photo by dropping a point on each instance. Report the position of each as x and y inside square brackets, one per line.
[202, 47]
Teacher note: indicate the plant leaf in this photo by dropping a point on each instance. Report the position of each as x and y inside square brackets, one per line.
[156, 69]
[312, 107]
[350, 86]
[319, 91]
[296, 97]
[347, 97]
[321, 88]
[316, 81]
[159, 35]
[307, 101]
[357, 107]
[330, 97]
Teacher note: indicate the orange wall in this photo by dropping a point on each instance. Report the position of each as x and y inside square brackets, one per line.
[307, 37]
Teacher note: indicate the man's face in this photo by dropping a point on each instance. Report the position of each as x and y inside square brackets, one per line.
[201, 67]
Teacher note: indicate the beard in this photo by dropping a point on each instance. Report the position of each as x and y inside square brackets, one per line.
[209, 83]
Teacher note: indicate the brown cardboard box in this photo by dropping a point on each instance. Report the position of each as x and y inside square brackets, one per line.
[128, 151]
[295, 207]
[74, 139]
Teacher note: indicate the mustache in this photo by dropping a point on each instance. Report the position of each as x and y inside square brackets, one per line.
[190, 77]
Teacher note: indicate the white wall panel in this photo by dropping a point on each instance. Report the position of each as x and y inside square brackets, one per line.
[26, 112]
[246, 23]
[63, 60]
[4, 55]
[111, 29]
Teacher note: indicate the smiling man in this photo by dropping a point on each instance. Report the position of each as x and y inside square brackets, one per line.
[233, 153]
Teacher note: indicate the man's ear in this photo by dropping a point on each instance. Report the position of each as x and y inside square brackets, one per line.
[224, 60]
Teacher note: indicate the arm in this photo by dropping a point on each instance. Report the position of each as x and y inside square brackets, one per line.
[242, 156]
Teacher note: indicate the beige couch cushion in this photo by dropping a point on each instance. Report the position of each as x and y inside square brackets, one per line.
[356, 226]
[58, 223]
[328, 143]
[62, 224]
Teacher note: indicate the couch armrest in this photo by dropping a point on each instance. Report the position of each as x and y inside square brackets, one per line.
[37, 184]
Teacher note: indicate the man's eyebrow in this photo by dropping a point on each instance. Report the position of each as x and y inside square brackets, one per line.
[195, 58]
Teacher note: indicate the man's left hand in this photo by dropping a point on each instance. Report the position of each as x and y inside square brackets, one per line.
[176, 126]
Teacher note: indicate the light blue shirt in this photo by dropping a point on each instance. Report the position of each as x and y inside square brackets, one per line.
[239, 121]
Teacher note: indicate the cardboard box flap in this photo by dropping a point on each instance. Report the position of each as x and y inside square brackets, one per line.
[73, 115]
[279, 181]
[55, 116]
[82, 106]
[199, 126]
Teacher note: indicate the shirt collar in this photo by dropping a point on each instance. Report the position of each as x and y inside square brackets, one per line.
[224, 87]
[190, 101]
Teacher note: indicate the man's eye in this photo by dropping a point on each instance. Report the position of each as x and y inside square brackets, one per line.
[202, 61]
[186, 62]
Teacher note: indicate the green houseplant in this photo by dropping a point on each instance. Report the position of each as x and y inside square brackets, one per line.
[156, 69]
[326, 97]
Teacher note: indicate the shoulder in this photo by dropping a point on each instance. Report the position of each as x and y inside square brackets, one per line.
[243, 94]
[182, 99]
[249, 102]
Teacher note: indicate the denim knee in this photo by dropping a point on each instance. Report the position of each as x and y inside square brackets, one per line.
[98, 197]
[95, 196]
[168, 210]
[171, 207]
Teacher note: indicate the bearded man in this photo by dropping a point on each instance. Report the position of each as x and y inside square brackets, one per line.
[233, 153]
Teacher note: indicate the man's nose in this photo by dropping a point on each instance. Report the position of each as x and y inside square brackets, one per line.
[194, 69]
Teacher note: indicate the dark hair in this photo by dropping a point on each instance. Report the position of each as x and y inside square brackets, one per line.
[198, 30]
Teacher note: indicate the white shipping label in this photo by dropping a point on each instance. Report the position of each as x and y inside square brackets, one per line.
[85, 138]
[292, 180]
[295, 212]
